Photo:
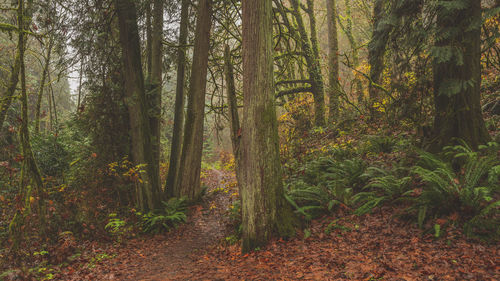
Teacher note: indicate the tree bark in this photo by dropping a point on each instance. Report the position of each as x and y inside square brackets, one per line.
[154, 98]
[457, 80]
[376, 52]
[313, 66]
[136, 101]
[189, 175]
[42, 85]
[265, 212]
[233, 111]
[176, 146]
[8, 96]
[357, 84]
[333, 61]
[79, 102]
[29, 159]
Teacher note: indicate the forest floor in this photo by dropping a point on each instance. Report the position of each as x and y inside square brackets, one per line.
[371, 247]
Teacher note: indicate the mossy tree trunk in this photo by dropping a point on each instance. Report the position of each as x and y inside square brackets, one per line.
[333, 61]
[156, 84]
[8, 96]
[265, 212]
[42, 84]
[30, 165]
[357, 85]
[457, 78]
[176, 146]
[135, 96]
[188, 184]
[233, 111]
[376, 52]
[310, 51]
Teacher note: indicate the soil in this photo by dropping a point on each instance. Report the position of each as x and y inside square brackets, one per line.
[376, 246]
[173, 255]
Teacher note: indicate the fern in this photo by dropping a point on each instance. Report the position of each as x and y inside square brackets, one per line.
[382, 144]
[469, 192]
[387, 187]
[326, 183]
[173, 214]
[347, 173]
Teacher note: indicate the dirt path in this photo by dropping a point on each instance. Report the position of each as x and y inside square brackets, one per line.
[175, 260]
[172, 256]
[375, 246]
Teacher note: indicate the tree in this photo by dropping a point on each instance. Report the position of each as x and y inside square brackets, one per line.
[310, 51]
[457, 74]
[265, 212]
[333, 61]
[176, 145]
[8, 96]
[188, 183]
[42, 84]
[348, 30]
[376, 51]
[233, 111]
[156, 84]
[30, 162]
[148, 195]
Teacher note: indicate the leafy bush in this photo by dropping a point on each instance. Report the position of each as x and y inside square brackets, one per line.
[347, 173]
[51, 154]
[235, 221]
[469, 192]
[381, 144]
[386, 186]
[309, 200]
[326, 183]
[173, 214]
[117, 227]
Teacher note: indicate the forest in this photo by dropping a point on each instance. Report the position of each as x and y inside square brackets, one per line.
[249, 140]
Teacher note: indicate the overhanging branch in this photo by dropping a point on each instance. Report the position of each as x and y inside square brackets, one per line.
[294, 91]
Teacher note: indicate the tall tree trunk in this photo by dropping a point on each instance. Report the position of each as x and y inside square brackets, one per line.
[265, 211]
[358, 86]
[312, 27]
[233, 111]
[176, 146]
[457, 80]
[333, 61]
[30, 163]
[53, 101]
[149, 40]
[376, 52]
[313, 66]
[154, 97]
[79, 102]
[189, 176]
[42, 85]
[136, 101]
[8, 96]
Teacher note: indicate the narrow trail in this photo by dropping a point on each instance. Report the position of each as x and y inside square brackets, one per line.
[174, 255]
[174, 260]
[340, 247]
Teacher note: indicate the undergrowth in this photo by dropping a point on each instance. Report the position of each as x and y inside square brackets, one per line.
[459, 186]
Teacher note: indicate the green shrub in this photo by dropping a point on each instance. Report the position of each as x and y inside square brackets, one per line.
[309, 200]
[235, 221]
[117, 227]
[470, 191]
[384, 186]
[325, 184]
[347, 173]
[50, 154]
[381, 144]
[173, 214]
